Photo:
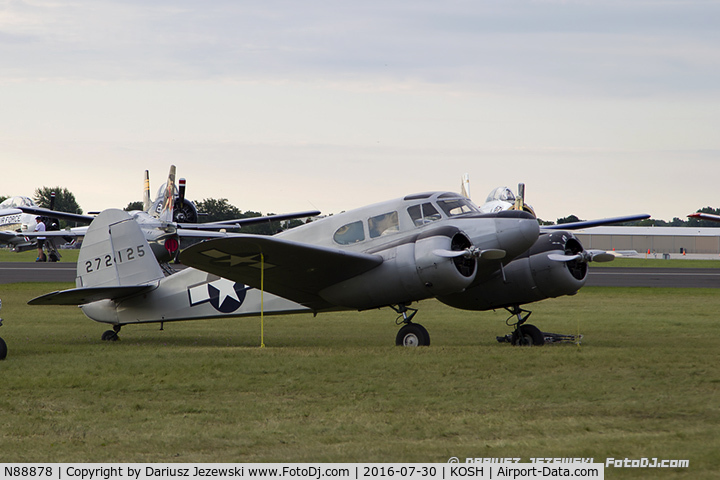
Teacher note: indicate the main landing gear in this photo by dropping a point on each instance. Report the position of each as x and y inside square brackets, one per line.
[112, 335]
[410, 334]
[524, 334]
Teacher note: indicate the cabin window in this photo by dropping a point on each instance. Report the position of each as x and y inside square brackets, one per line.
[384, 224]
[350, 233]
[423, 214]
[457, 206]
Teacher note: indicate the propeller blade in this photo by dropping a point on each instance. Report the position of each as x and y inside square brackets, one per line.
[489, 254]
[601, 256]
[492, 254]
[586, 256]
[556, 257]
[449, 253]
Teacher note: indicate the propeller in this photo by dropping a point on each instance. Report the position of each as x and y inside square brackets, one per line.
[585, 256]
[488, 254]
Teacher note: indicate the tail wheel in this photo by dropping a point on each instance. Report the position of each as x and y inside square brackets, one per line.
[412, 335]
[527, 335]
[110, 336]
[3, 349]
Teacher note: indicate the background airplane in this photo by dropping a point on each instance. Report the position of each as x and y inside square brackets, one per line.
[166, 220]
[17, 227]
[390, 254]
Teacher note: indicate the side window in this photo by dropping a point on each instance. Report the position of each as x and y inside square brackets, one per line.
[350, 233]
[384, 224]
[423, 214]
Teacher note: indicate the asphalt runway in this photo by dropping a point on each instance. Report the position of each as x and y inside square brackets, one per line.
[12, 272]
[654, 277]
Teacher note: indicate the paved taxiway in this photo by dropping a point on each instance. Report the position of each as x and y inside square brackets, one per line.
[654, 277]
[11, 272]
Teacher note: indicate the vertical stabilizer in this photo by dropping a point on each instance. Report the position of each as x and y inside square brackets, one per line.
[465, 186]
[116, 253]
[163, 207]
[147, 202]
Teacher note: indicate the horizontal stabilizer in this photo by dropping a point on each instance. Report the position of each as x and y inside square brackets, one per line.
[81, 296]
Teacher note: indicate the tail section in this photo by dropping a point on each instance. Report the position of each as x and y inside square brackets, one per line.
[162, 209]
[115, 262]
[116, 253]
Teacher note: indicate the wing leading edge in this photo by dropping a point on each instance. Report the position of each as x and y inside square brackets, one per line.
[292, 270]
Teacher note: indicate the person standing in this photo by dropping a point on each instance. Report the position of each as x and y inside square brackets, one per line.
[40, 227]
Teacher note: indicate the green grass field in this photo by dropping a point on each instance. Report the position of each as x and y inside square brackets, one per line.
[644, 383]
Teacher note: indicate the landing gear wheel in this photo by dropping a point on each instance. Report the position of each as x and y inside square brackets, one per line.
[527, 335]
[3, 349]
[412, 335]
[110, 336]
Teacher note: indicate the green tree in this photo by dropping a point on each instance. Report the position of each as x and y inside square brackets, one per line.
[570, 219]
[133, 206]
[64, 201]
[215, 210]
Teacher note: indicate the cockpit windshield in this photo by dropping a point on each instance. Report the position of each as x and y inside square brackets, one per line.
[457, 206]
[14, 202]
[502, 194]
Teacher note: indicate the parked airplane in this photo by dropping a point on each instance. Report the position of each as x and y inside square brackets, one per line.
[17, 227]
[389, 254]
[502, 198]
[167, 219]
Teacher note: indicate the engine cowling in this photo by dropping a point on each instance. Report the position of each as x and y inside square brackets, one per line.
[184, 211]
[409, 272]
[443, 276]
[529, 278]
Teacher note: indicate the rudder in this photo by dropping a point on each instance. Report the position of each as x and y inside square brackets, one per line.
[116, 253]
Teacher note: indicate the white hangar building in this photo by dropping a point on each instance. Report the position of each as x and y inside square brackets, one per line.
[653, 239]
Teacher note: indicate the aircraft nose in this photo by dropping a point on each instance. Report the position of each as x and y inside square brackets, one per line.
[517, 235]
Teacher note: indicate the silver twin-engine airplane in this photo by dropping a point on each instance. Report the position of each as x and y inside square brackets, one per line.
[391, 254]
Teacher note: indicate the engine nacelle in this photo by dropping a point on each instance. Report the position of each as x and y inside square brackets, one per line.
[440, 275]
[410, 271]
[184, 211]
[529, 278]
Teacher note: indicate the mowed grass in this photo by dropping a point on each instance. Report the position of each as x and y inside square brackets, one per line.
[644, 383]
[66, 255]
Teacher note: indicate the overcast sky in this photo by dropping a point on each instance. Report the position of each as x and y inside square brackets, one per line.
[601, 108]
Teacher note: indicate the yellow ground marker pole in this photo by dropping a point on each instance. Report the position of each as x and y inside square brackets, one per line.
[262, 301]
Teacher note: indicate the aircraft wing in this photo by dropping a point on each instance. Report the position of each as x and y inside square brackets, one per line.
[70, 217]
[239, 222]
[292, 270]
[11, 238]
[705, 216]
[594, 223]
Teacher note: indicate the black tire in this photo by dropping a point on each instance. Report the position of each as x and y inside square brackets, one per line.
[412, 335]
[530, 335]
[3, 349]
[110, 336]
